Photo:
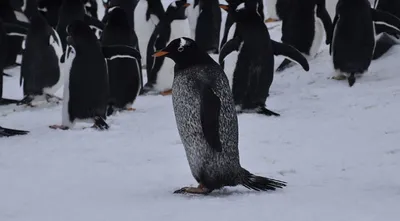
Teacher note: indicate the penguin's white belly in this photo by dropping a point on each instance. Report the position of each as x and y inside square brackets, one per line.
[165, 77]
[271, 9]
[143, 28]
[65, 69]
[193, 15]
[318, 37]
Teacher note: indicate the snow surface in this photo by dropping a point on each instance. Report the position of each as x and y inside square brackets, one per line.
[337, 147]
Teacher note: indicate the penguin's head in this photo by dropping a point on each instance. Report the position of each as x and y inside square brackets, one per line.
[116, 15]
[80, 34]
[184, 52]
[242, 9]
[177, 10]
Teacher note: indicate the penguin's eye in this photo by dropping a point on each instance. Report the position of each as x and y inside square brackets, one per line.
[180, 49]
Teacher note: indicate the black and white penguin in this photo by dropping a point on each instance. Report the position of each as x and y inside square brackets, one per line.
[386, 38]
[207, 121]
[10, 15]
[253, 67]
[123, 61]
[160, 71]
[127, 5]
[70, 11]
[7, 132]
[40, 66]
[205, 23]
[91, 8]
[86, 86]
[303, 28]
[147, 15]
[7, 29]
[353, 50]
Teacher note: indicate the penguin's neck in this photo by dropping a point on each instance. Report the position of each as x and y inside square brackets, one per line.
[200, 58]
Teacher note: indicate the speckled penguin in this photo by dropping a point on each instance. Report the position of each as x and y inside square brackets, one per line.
[207, 121]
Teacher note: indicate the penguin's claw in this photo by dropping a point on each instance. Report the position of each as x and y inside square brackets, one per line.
[269, 20]
[167, 92]
[193, 190]
[55, 127]
[52, 98]
[130, 109]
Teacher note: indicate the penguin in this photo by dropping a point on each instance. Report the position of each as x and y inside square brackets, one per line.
[147, 15]
[7, 132]
[207, 121]
[205, 23]
[123, 61]
[230, 21]
[71, 10]
[159, 70]
[10, 15]
[40, 66]
[254, 69]
[386, 38]
[127, 5]
[86, 86]
[7, 29]
[303, 27]
[352, 51]
[50, 10]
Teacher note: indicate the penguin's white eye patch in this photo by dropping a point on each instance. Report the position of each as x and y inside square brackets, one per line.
[240, 7]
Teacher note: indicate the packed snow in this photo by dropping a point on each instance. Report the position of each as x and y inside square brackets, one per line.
[336, 146]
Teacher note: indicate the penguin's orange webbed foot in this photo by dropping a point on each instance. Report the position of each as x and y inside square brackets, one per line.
[130, 109]
[55, 127]
[193, 190]
[167, 92]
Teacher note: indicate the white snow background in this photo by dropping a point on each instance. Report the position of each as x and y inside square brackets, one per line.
[336, 146]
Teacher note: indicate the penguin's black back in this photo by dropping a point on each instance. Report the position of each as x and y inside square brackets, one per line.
[118, 30]
[391, 6]
[254, 70]
[353, 41]
[298, 25]
[88, 80]
[13, 42]
[208, 26]
[70, 10]
[39, 66]
[50, 9]
[127, 5]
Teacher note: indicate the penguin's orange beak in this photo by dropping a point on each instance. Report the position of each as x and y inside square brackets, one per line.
[160, 54]
[225, 7]
[186, 5]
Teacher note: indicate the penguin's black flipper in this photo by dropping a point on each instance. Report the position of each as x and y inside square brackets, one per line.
[157, 42]
[7, 75]
[111, 51]
[5, 101]
[323, 14]
[232, 45]
[259, 183]
[6, 132]
[210, 107]
[383, 44]
[385, 20]
[335, 20]
[15, 29]
[94, 22]
[291, 53]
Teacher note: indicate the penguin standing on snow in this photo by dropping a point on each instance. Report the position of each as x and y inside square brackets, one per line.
[160, 71]
[40, 66]
[207, 121]
[123, 61]
[147, 15]
[352, 51]
[205, 23]
[303, 28]
[86, 88]
[5, 29]
[254, 68]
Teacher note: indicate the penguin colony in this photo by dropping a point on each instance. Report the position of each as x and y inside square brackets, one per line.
[214, 71]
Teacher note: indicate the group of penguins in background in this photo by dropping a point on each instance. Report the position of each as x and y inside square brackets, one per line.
[213, 73]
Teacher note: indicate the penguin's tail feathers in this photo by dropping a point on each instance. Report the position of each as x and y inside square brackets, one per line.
[258, 183]
[351, 79]
[100, 123]
[7, 132]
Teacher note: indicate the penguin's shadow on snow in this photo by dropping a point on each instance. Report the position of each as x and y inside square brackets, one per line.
[227, 192]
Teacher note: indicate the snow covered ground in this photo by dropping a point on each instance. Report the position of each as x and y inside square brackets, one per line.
[337, 147]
